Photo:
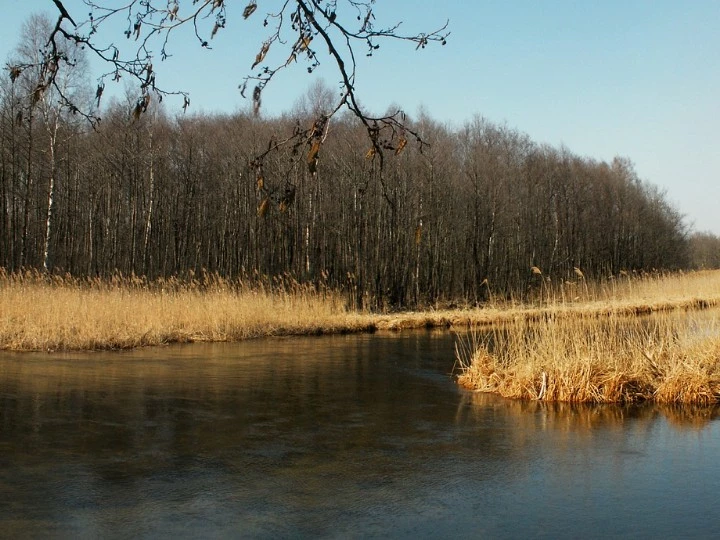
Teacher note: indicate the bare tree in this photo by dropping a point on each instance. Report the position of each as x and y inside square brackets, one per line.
[308, 31]
[51, 101]
[470, 215]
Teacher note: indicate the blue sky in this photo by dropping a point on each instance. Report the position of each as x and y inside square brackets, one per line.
[634, 78]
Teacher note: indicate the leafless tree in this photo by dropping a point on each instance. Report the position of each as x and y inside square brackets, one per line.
[475, 213]
[51, 102]
[308, 32]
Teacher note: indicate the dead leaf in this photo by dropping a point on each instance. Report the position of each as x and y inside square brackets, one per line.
[249, 9]
[314, 150]
[304, 42]
[99, 93]
[261, 55]
[257, 92]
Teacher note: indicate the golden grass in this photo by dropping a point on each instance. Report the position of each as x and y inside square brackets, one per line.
[623, 295]
[68, 314]
[670, 358]
[589, 342]
[42, 313]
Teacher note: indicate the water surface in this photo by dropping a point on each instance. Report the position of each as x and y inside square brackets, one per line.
[344, 436]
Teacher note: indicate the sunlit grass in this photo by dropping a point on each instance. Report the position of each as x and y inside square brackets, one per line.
[47, 313]
[56, 313]
[667, 358]
[591, 342]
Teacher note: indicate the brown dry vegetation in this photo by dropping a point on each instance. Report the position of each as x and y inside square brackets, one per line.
[63, 313]
[672, 357]
[69, 314]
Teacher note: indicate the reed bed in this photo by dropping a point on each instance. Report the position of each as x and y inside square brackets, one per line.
[625, 294]
[42, 313]
[670, 358]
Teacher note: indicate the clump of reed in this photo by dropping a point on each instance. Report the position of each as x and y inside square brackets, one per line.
[667, 358]
[45, 312]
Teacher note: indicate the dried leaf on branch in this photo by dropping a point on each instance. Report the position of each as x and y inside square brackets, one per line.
[261, 55]
[249, 10]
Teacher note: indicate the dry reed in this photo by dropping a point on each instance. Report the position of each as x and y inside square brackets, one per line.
[669, 358]
[589, 342]
[63, 313]
[40, 312]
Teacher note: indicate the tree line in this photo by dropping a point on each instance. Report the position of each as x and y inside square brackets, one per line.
[464, 213]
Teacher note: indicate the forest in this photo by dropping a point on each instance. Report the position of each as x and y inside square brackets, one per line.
[453, 215]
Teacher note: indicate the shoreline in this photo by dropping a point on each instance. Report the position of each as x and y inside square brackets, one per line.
[605, 343]
[64, 314]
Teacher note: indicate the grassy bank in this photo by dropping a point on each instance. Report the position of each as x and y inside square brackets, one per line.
[63, 313]
[38, 313]
[603, 350]
[667, 358]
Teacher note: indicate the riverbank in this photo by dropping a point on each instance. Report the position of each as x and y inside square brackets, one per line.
[671, 357]
[41, 313]
[64, 313]
[668, 358]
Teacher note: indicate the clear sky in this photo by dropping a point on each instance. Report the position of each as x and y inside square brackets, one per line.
[634, 78]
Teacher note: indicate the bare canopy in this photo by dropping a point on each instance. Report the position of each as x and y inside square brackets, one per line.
[310, 32]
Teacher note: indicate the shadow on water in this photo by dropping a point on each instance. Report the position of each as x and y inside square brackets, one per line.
[335, 436]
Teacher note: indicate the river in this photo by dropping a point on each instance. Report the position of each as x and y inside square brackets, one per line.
[334, 437]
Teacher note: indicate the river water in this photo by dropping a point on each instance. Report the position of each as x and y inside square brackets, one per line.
[338, 437]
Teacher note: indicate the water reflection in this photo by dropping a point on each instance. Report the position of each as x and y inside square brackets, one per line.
[585, 418]
[337, 436]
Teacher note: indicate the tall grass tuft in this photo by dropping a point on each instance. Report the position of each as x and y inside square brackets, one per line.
[666, 358]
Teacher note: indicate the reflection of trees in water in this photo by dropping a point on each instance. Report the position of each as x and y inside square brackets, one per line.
[271, 423]
[208, 398]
